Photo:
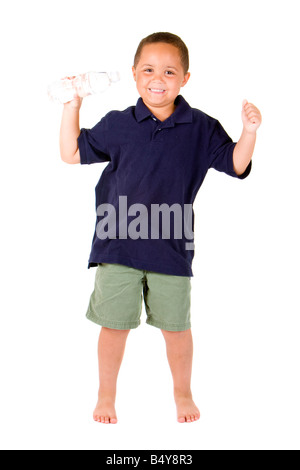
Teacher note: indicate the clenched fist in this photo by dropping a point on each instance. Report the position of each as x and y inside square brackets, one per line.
[77, 100]
[251, 117]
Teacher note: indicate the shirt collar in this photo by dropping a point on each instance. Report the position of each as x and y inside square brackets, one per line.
[183, 112]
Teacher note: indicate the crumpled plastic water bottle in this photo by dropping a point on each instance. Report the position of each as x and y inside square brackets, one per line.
[82, 85]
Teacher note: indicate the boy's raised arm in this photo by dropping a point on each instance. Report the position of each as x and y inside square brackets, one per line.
[69, 131]
[244, 148]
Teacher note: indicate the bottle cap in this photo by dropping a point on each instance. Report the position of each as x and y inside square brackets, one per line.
[114, 76]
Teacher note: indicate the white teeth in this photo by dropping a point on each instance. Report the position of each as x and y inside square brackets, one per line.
[156, 90]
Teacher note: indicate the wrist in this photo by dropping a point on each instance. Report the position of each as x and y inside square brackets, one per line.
[73, 106]
[249, 133]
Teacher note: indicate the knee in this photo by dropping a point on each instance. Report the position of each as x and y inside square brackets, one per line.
[176, 334]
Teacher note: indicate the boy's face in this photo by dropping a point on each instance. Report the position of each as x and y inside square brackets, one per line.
[159, 75]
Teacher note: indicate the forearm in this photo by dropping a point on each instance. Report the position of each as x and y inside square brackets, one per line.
[243, 151]
[69, 133]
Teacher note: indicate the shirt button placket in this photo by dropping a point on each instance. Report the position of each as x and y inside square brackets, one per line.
[156, 133]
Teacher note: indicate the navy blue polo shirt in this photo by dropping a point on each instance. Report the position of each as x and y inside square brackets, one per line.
[152, 164]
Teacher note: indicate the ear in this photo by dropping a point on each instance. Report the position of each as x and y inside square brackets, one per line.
[134, 72]
[186, 79]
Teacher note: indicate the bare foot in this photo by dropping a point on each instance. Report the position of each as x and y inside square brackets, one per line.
[105, 411]
[187, 411]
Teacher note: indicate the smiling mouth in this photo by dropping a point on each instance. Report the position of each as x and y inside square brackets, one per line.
[158, 91]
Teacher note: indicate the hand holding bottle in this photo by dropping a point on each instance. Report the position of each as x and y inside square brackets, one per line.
[69, 89]
[76, 102]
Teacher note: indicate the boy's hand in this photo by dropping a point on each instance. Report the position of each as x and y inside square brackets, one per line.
[75, 103]
[77, 100]
[251, 117]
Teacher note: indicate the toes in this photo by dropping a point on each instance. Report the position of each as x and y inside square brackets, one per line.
[105, 419]
[188, 418]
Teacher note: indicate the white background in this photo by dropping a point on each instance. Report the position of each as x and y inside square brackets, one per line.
[245, 289]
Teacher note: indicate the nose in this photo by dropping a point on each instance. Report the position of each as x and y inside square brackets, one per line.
[158, 75]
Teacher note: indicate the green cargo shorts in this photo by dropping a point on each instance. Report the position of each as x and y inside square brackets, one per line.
[116, 301]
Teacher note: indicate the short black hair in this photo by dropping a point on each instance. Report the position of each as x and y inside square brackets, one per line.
[168, 38]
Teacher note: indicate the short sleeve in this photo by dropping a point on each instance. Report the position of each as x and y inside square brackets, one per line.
[92, 144]
[220, 152]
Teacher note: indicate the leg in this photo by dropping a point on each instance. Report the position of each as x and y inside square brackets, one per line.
[111, 349]
[180, 356]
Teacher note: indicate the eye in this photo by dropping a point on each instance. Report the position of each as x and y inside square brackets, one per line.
[148, 70]
[168, 72]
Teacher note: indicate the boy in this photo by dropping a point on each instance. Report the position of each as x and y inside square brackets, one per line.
[158, 152]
